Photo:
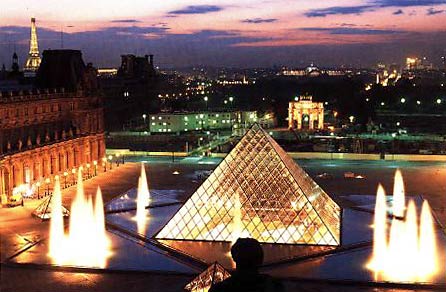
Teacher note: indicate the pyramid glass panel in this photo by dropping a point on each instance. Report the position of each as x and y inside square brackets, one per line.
[44, 210]
[212, 275]
[260, 193]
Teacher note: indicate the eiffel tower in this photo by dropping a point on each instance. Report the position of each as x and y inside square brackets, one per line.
[33, 61]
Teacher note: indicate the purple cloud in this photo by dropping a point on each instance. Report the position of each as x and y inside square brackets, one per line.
[351, 30]
[125, 21]
[339, 10]
[259, 20]
[197, 9]
[432, 11]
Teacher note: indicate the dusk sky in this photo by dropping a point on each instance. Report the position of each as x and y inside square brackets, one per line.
[230, 33]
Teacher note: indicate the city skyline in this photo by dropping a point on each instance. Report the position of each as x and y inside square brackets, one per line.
[229, 33]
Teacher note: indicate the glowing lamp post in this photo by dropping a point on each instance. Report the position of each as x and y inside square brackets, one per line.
[110, 158]
[231, 99]
[38, 189]
[95, 163]
[47, 191]
[104, 163]
[144, 116]
[65, 174]
[88, 170]
[206, 99]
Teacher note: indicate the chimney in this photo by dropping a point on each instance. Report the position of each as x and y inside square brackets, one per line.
[151, 60]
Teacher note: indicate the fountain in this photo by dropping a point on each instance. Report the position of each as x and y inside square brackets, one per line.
[86, 243]
[408, 251]
[142, 201]
[56, 223]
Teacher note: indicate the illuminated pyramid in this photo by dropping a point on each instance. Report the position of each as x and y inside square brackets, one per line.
[257, 191]
[215, 273]
[43, 211]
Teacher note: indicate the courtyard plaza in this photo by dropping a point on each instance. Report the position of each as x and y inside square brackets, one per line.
[19, 230]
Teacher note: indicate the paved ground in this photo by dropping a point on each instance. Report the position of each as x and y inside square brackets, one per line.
[18, 229]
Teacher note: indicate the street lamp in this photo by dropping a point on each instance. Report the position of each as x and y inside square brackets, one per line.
[231, 99]
[95, 163]
[403, 100]
[439, 101]
[144, 116]
[117, 159]
[47, 191]
[110, 157]
[73, 172]
[206, 100]
[88, 170]
[104, 163]
[38, 189]
[65, 179]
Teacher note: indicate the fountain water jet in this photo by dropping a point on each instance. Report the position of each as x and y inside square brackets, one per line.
[56, 222]
[410, 252]
[428, 259]
[142, 201]
[86, 243]
[399, 200]
[379, 232]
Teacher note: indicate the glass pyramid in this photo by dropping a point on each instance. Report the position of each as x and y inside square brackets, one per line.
[215, 273]
[258, 191]
[44, 210]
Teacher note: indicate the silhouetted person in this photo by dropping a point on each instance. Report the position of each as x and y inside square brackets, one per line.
[248, 256]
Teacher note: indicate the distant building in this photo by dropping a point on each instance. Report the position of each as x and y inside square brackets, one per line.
[184, 122]
[129, 91]
[134, 67]
[312, 71]
[305, 114]
[50, 130]
[33, 61]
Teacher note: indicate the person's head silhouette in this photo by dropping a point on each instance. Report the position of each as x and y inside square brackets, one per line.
[247, 254]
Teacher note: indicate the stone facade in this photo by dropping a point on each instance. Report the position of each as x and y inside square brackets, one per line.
[45, 133]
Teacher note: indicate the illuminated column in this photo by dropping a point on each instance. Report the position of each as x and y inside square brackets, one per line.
[17, 174]
[311, 120]
[321, 119]
[3, 183]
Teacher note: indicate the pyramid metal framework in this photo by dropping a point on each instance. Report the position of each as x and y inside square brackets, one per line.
[43, 211]
[215, 273]
[258, 191]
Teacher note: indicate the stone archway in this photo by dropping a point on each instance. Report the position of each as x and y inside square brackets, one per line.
[17, 175]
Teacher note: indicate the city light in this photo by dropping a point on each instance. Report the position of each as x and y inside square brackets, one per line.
[403, 100]
[439, 101]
